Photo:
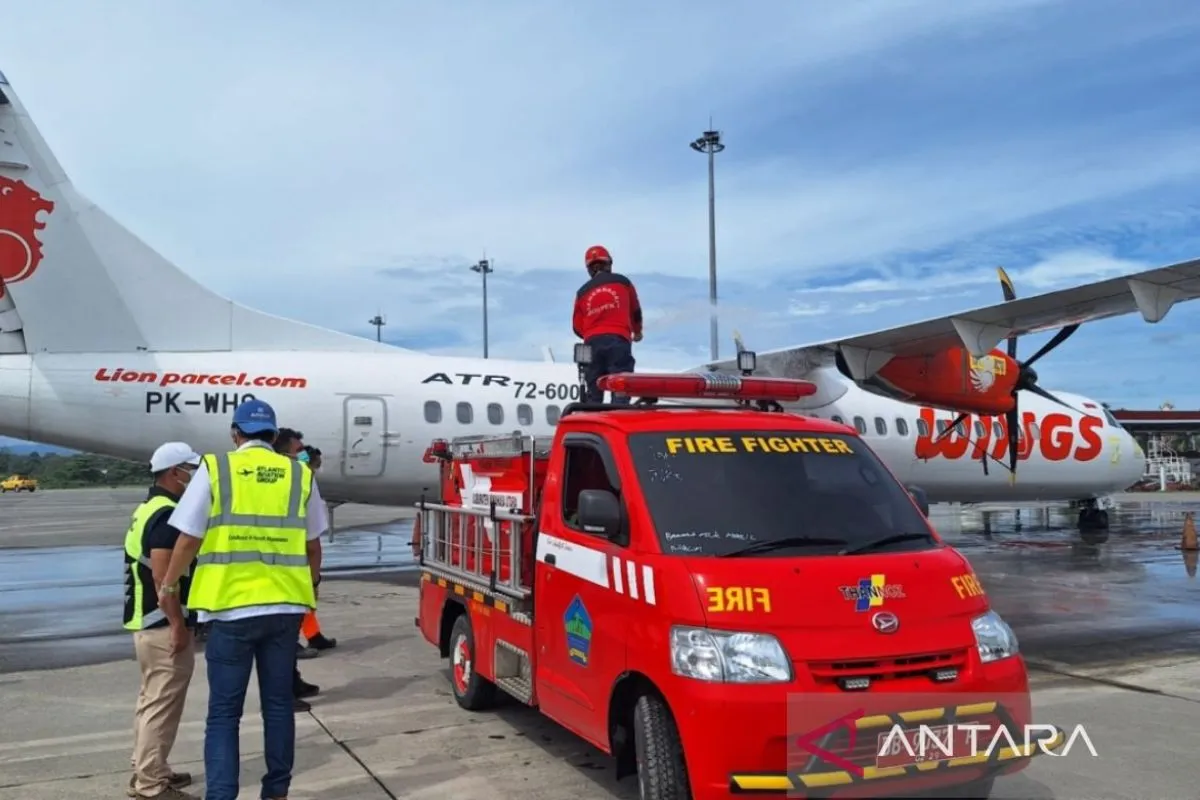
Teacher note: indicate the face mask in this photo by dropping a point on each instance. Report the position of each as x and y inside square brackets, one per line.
[183, 476]
[303, 457]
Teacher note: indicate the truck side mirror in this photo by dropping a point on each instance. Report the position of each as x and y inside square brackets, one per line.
[920, 498]
[600, 513]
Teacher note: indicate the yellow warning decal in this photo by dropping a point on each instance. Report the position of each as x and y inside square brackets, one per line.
[758, 444]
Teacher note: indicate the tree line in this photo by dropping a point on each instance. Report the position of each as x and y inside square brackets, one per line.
[55, 471]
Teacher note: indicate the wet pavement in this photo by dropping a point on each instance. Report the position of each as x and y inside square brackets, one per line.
[61, 585]
[1105, 622]
[62, 573]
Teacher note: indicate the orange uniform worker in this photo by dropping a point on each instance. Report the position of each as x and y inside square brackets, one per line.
[310, 628]
[608, 317]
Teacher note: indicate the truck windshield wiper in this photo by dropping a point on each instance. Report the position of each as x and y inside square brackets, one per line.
[779, 544]
[875, 544]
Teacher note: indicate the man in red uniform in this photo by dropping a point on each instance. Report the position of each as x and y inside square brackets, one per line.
[608, 317]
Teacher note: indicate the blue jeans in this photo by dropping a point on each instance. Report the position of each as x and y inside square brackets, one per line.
[610, 354]
[269, 643]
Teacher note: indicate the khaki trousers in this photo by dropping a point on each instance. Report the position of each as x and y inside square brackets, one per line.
[165, 680]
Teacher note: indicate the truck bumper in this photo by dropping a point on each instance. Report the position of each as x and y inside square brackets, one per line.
[915, 776]
[727, 757]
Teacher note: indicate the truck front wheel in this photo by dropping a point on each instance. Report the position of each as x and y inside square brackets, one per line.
[661, 771]
[471, 690]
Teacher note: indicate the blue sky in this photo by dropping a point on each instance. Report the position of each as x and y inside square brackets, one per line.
[329, 163]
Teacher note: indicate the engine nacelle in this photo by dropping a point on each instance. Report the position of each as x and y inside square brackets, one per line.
[952, 380]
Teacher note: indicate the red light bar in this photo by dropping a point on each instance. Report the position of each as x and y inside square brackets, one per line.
[702, 385]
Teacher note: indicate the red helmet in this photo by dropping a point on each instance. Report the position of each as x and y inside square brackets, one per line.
[596, 253]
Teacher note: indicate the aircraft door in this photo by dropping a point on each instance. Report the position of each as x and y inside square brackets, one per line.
[363, 446]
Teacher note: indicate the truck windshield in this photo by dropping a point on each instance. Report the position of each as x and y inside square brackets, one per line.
[712, 493]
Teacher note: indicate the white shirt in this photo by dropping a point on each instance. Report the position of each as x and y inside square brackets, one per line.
[190, 518]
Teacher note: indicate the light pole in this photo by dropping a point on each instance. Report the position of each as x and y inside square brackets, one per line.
[484, 267]
[710, 143]
[378, 321]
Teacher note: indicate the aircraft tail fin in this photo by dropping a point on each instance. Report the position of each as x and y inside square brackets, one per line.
[72, 279]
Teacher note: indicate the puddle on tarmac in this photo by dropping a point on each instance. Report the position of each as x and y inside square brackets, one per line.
[51, 593]
[1054, 584]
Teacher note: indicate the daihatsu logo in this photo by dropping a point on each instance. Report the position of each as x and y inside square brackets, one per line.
[885, 622]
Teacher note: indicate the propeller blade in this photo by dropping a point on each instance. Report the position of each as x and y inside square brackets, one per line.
[1010, 293]
[1058, 339]
[1006, 285]
[1012, 421]
[959, 420]
[1039, 391]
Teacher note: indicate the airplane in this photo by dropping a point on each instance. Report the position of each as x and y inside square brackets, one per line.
[107, 347]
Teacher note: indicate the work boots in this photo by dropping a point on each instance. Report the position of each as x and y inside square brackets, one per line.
[322, 642]
[174, 790]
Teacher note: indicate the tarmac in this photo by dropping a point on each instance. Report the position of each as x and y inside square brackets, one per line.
[1107, 624]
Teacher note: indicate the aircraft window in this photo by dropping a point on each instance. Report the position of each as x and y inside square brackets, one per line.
[980, 429]
[433, 411]
[552, 414]
[524, 414]
[860, 425]
[942, 424]
[881, 426]
[837, 419]
[1035, 431]
[495, 414]
[901, 426]
[465, 413]
[961, 428]
[997, 430]
[922, 428]
[1113, 421]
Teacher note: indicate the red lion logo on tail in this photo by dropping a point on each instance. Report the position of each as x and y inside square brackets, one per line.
[20, 249]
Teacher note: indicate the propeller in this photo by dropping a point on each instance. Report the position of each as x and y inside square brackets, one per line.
[1026, 381]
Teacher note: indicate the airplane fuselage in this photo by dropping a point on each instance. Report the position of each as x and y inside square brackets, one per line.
[373, 415]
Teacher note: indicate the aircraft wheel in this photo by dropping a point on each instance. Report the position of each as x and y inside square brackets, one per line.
[471, 691]
[1092, 518]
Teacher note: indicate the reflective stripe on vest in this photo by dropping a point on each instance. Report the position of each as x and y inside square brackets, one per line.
[139, 579]
[255, 550]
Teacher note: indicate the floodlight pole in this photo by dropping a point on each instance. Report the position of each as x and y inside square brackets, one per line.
[484, 268]
[710, 143]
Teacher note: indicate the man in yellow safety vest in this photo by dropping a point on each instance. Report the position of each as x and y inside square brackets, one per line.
[161, 638]
[252, 519]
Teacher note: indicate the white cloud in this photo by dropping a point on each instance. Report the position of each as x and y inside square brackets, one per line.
[328, 163]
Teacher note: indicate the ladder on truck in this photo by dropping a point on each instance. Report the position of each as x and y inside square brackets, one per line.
[486, 550]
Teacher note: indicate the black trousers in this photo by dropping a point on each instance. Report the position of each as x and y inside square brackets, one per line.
[610, 354]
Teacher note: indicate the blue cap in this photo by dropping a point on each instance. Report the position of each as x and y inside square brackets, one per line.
[254, 416]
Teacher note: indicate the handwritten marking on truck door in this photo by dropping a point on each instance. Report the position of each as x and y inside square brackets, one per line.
[730, 599]
[967, 586]
[757, 444]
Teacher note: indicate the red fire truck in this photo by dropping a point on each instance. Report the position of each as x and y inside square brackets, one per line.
[727, 599]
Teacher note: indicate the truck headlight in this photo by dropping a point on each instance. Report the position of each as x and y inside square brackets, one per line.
[728, 657]
[993, 637]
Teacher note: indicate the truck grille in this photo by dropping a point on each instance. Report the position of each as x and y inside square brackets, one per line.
[881, 669]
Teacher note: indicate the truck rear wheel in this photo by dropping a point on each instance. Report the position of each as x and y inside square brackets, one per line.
[471, 690]
[661, 771]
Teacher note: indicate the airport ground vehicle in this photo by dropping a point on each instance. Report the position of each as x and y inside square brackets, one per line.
[686, 586]
[18, 483]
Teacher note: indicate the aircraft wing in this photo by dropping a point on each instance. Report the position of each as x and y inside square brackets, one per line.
[1151, 293]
